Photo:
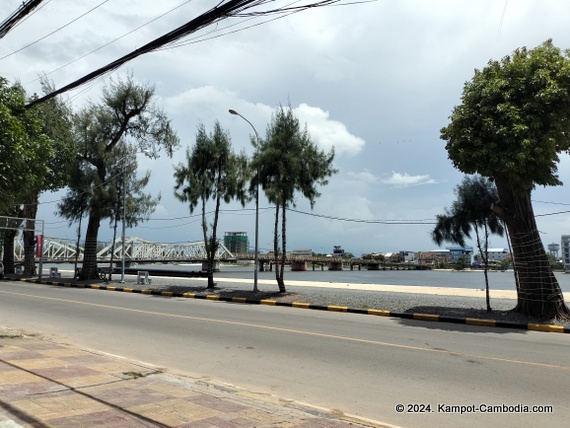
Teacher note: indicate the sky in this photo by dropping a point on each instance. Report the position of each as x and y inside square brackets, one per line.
[375, 80]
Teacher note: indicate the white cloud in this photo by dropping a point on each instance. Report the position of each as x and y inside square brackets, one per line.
[365, 177]
[329, 133]
[406, 180]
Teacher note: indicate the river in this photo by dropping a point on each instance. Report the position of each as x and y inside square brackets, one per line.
[431, 278]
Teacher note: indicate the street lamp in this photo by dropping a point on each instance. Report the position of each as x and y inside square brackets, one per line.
[148, 153]
[256, 253]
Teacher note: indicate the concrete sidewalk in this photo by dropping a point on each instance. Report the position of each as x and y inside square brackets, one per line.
[46, 384]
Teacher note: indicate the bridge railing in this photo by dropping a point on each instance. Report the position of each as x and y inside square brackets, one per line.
[55, 249]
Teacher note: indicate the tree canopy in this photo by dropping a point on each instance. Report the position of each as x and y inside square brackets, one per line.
[513, 119]
[24, 147]
[471, 211]
[288, 162]
[107, 135]
[212, 171]
[511, 126]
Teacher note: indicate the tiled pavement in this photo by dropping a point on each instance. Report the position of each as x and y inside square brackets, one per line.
[45, 384]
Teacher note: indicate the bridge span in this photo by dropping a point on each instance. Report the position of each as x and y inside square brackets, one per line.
[138, 250]
[56, 250]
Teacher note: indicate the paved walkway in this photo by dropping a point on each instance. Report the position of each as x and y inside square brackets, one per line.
[46, 384]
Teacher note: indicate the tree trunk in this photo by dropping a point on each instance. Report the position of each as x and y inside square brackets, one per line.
[539, 294]
[276, 244]
[484, 252]
[89, 267]
[29, 212]
[77, 244]
[8, 257]
[281, 281]
[213, 247]
[113, 246]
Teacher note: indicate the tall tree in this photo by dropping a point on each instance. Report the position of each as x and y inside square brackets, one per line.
[25, 153]
[212, 171]
[55, 116]
[471, 211]
[23, 147]
[511, 126]
[288, 162]
[126, 113]
[131, 204]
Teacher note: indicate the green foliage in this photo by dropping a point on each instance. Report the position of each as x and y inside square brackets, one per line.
[24, 149]
[513, 118]
[212, 172]
[555, 263]
[511, 127]
[471, 210]
[56, 122]
[107, 136]
[287, 163]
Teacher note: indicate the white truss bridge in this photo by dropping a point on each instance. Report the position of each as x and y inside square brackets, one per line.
[136, 250]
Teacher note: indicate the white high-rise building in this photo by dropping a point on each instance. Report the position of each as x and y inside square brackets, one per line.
[565, 249]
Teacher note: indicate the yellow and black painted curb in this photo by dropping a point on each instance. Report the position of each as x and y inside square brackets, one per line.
[378, 312]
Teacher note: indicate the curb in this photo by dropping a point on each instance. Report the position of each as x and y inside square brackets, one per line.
[551, 328]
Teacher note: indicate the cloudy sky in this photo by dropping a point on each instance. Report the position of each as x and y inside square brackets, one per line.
[376, 81]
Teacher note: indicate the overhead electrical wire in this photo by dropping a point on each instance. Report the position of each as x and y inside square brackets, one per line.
[223, 10]
[114, 40]
[54, 31]
[25, 9]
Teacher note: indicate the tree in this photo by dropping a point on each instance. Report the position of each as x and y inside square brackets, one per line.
[55, 116]
[126, 115]
[131, 204]
[471, 211]
[511, 127]
[288, 162]
[212, 171]
[22, 148]
[24, 165]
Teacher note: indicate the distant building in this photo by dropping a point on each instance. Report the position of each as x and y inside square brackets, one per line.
[407, 256]
[565, 248]
[456, 253]
[338, 251]
[302, 253]
[236, 242]
[434, 257]
[498, 254]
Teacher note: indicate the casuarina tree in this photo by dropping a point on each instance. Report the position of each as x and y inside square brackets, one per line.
[212, 171]
[126, 115]
[511, 126]
[288, 162]
[471, 211]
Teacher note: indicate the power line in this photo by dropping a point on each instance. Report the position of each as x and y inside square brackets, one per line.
[114, 40]
[355, 220]
[12, 20]
[54, 31]
[231, 8]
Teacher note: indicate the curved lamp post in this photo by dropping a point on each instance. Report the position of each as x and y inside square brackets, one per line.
[256, 253]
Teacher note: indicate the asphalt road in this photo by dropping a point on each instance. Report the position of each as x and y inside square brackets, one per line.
[359, 364]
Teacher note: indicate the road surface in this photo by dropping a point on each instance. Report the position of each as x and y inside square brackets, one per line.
[359, 364]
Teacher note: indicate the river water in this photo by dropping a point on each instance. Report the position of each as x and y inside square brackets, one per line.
[431, 278]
